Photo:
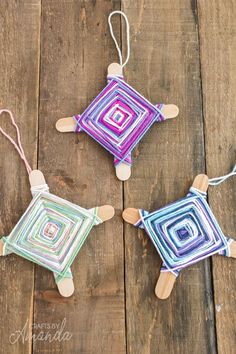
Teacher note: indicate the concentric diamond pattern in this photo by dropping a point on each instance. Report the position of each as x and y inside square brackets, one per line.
[184, 232]
[51, 232]
[118, 118]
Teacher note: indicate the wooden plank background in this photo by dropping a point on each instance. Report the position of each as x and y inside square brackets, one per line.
[53, 61]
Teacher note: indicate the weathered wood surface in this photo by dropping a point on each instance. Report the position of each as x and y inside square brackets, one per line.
[182, 51]
[76, 49]
[218, 50]
[19, 77]
[164, 66]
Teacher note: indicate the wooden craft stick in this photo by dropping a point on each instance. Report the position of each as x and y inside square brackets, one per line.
[36, 178]
[66, 125]
[170, 111]
[131, 215]
[123, 171]
[65, 285]
[165, 284]
[232, 248]
[166, 280]
[201, 183]
[114, 69]
[106, 212]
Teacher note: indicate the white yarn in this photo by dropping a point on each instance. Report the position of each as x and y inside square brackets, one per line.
[42, 188]
[114, 38]
[218, 180]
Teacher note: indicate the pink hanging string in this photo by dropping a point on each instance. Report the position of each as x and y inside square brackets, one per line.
[17, 145]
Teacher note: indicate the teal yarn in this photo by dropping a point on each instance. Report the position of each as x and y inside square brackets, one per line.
[52, 230]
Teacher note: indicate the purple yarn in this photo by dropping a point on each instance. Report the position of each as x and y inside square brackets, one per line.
[118, 118]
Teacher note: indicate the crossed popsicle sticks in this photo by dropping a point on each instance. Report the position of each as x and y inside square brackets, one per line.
[183, 233]
[117, 119]
[52, 231]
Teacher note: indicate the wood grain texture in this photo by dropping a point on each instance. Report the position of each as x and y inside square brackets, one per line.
[181, 51]
[76, 49]
[19, 73]
[218, 50]
[164, 66]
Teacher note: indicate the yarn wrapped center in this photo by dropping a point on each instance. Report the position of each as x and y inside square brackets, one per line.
[118, 118]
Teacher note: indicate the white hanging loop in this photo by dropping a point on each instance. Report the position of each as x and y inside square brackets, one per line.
[114, 38]
[218, 180]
